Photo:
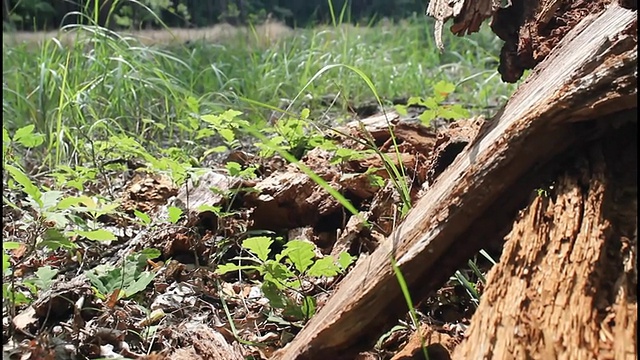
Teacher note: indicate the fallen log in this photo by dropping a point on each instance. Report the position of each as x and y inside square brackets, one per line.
[589, 75]
[566, 284]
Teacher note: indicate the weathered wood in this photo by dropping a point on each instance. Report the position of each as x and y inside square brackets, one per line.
[566, 284]
[468, 15]
[537, 123]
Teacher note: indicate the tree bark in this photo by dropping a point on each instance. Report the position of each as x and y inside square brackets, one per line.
[565, 286]
[591, 74]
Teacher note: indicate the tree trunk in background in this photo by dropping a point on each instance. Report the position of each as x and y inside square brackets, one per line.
[565, 286]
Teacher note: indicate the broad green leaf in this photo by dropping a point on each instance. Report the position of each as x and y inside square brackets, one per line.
[15, 297]
[225, 268]
[431, 103]
[259, 245]
[139, 284]
[300, 253]
[108, 208]
[60, 219]
[275, 296]
[10, 245]
[345, 259]
[5, 135]
[217, 149]
[227, 134]
[214, 209]
[23, 132]
[31, 141]
[97, 235]
[230, 114]
[427, 116]
[324, 267]
[88, 202]
[277, 273]
[27, 186]
[99, 279]
[212, 119]
[193, 104]
[233, 168]
[204, 133]
[53, 239]
[174, 214]
[144, 218]
[308, 307]
[150, 253]
[453, 112]
[414, 100]
[50, 199]
[304, 114]
[70, 201]
[444, 88]
[6, 263]
[402, 110]
[293, 311]
[44, 277]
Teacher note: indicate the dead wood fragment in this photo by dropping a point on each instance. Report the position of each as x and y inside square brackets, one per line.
[210, 189]
[449, 143]
[419, 136]
[438, 345]
[200, 342]
[291, 199]
[565, 280]
[531, 29]
[468, 15]
[474, 197]
[146, 192]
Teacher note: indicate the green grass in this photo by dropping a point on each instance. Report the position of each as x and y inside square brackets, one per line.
[104, 83]
[108, 95]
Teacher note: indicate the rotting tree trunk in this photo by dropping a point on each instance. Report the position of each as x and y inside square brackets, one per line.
[591, 74]
[565, 286]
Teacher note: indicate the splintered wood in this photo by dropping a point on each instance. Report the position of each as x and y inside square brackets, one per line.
[565, 286]
[480, 192]
[468, 15]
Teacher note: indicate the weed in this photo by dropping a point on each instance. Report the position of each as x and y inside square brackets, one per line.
[286, 271]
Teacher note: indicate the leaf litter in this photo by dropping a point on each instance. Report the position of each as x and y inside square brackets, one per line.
[223, 267]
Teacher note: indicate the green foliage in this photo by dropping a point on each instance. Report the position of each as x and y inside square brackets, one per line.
[42, 281]
[434, 107]
[175, 214]
[71, 108]
[295, 135]
[128, 279]
[285, 271]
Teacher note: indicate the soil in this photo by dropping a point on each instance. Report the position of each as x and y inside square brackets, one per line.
[264, 34]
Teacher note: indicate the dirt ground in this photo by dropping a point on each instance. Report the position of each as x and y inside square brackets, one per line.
[264, 34]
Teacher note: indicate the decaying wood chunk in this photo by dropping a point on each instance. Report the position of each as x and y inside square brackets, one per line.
[531, 29]
[450, 143]
[200, 342]
[290, 199]
[468, 15]
[565, 281]
[473, 198]
[438, 345]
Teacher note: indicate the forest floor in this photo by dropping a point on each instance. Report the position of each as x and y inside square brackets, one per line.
[188, 194]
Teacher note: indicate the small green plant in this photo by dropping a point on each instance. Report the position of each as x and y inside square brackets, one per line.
[434, 105]
[286, 271]
[127, 280]
[295, 135]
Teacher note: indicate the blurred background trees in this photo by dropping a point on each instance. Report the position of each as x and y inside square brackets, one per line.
[30, 15]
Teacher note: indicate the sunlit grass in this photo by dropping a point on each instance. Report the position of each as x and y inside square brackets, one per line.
[104, 82]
